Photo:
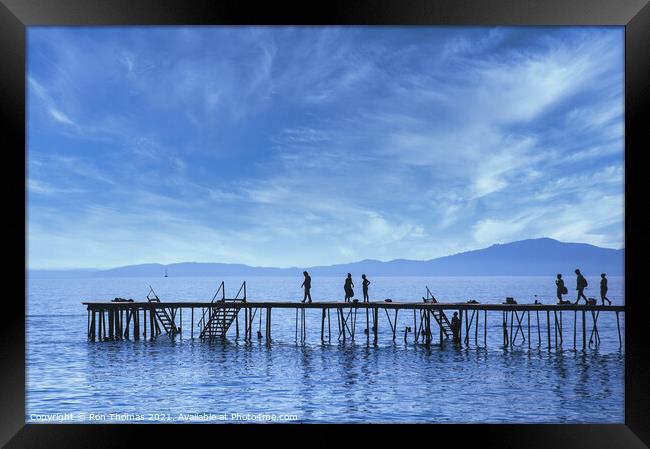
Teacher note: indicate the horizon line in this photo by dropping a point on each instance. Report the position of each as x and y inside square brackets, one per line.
[27, 268]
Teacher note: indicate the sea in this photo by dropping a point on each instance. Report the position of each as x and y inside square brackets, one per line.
[184, 380]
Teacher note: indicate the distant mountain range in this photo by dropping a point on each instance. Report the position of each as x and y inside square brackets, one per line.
[533, 257]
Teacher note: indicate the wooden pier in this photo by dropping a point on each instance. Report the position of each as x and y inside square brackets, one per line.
[110, 321]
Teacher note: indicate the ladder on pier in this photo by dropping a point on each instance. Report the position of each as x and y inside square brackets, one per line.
[439, 315]
[218, 320]
[162, 314]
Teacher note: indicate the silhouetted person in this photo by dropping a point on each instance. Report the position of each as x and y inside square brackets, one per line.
[581, 284]
[307, 285]
[365, 285]
[455, 326]
[560, 288]
[603, 289]
[349, 293]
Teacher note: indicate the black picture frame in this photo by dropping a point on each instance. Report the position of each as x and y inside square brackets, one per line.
[16, 15]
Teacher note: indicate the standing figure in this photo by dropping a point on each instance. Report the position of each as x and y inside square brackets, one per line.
[603, 289]
[307, 285]
[561, 289]
[455, 327]
[365, 285]
[349, 293]
[581, 284]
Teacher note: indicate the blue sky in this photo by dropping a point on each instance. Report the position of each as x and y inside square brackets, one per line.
[298, 146]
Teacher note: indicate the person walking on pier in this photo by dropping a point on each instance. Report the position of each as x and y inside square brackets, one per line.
[349, 293]
[365, 285]
[561, 288]
[307, 286]
[581, 284]
[603, 289]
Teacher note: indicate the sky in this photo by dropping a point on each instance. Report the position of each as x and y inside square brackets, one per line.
[301, 146]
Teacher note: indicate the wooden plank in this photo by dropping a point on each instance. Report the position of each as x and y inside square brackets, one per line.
[381, 305]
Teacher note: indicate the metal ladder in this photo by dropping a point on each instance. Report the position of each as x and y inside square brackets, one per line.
[439, 315]
[218, 320]
[162, 314]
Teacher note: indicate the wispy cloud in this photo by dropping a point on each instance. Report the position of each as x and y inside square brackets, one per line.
[310, 145]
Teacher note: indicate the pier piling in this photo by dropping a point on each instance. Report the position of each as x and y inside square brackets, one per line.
[108, 321]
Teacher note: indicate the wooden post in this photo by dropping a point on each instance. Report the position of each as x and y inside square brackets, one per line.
[250, 324]
[192, 324]
[376, 320]
[329, 327]
[144, 318]
[528, 314]
[539, 330]
[485, 328]
[512, 336]
[151, 324]
[120, 322]
[618, 327]
[117, 322]
[268, 324]
[476, 312]
[322, 326]
[136, 324]
[116, 319]
[584, 331]
[460, 327]
[237, 323]
[548, 328]
[368, 325]
[555, 326]
[92, 331]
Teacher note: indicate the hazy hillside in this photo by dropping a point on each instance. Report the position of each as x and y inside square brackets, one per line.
[544, 257]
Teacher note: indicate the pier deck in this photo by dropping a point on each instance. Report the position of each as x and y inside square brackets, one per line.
[360, 305]
[109, 321]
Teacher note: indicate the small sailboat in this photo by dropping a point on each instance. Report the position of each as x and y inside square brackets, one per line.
[166, 273]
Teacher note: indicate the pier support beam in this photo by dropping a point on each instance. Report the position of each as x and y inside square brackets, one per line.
[618, 327]
[376, 322]
[485, 328]
[548, 328]
[584, 331]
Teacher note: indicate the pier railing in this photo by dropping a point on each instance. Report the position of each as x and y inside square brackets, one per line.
[220, 318]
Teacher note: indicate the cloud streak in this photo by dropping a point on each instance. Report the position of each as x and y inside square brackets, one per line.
[289, 146]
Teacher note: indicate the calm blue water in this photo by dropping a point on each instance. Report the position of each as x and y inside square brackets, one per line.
[196, 381]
